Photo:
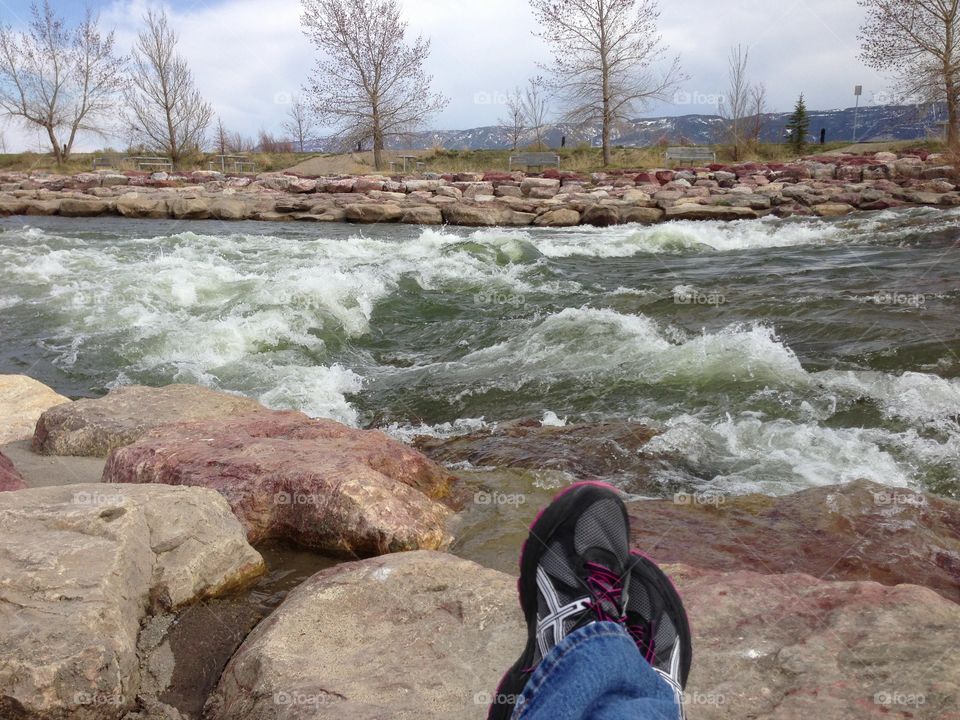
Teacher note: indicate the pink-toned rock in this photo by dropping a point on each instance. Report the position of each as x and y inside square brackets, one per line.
[314, 482]
[10, 479]
[792, 646]
[858, 531]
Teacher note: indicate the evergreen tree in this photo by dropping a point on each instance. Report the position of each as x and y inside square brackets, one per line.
[799, 127]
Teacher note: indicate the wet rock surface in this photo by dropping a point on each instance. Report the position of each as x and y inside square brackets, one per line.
[610, 450]
[317, 483]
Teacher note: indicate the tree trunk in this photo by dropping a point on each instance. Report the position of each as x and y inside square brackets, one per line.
[377, 139]
[55, 144]
[953, 115]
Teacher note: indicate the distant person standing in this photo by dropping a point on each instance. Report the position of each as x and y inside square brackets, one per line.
[823, 136]
[563, 141]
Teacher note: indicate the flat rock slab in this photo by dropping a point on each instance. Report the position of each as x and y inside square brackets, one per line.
[408, 636]
[316, 483]
[426, 635]
[792, 646]
[10, 478]
[22, 401]
[46, 470]
[81, 566]
[859, 531]
[92, 428]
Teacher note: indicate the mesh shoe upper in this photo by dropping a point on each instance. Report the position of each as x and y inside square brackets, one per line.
[580, 575]
[656, 619]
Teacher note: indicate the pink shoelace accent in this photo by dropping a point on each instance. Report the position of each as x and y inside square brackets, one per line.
[639, 634]
[607, 589]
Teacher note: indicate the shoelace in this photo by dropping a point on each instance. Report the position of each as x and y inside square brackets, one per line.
[607, 590]
[645, 640]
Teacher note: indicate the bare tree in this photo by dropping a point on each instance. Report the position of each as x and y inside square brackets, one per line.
[299, 123]
[536, 106]
[758, 104]
[514, 122]
[368, 82]
[62, 80]
[166, 112]
[920, 41]
[604, 53]
[736, 105]
[221, 138]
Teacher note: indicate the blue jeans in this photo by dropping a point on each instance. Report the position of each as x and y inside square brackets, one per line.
[597, 673]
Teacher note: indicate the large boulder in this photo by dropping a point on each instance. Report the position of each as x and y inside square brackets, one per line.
[829, 210]
[488, 216]
[93, 428]
[317, 483]
[858, 531]
[409, 636]
[709, 212]
[601, 216]
[793, 646]
[141, 205]
[780, 646]
[422, 215]
[187, 208]
[22, 401]
[81, 566]
[84, 207]
[373, 213]
[560, 217]
[10, 479]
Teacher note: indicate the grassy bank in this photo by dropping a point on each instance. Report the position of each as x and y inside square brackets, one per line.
[582, 159]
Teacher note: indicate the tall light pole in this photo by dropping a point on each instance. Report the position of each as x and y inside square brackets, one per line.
[857, 91]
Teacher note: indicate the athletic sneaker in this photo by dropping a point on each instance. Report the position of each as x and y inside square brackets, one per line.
[572, 573]
[658, 623]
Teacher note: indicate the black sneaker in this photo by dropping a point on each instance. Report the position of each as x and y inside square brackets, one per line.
[658, 623]
[572, 574]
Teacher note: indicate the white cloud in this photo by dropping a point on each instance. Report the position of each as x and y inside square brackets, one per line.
[245, 53]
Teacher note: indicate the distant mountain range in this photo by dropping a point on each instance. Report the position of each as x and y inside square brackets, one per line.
[874, 123]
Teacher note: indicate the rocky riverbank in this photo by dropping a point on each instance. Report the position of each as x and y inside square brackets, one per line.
[826, 186]
[834, 602]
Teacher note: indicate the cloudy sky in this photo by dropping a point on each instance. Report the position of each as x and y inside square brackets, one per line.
[250, 55]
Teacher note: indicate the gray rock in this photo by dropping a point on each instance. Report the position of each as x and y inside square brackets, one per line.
[424, 635]
[601, 216]
[92, 428]
[137, 205]
[82, 565]
[189, 208]
[373, 213]
[422, 215]
[561, 217]
[76, 207]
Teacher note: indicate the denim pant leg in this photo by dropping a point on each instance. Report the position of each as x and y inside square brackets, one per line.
[597, 673]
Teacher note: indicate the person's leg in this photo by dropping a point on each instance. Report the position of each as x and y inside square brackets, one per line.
[597, 673]
[580, 661]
